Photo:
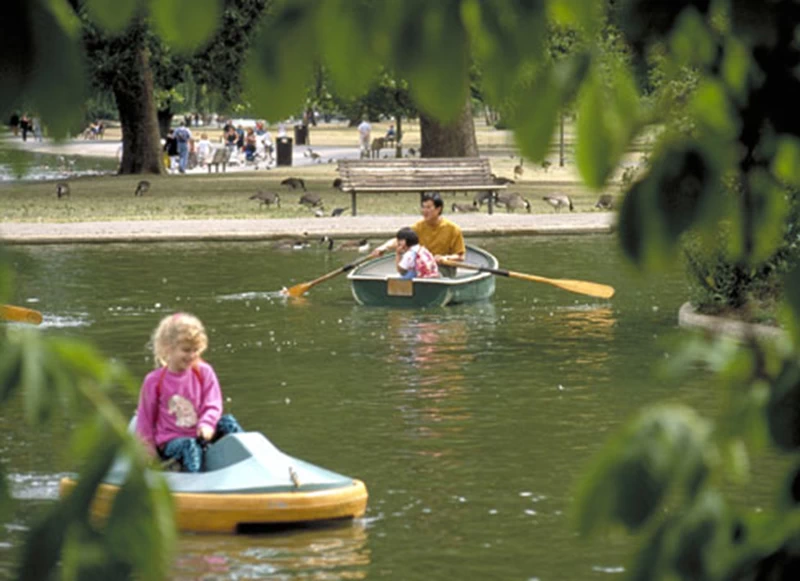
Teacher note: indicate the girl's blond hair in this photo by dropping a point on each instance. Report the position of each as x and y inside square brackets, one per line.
[174, 330]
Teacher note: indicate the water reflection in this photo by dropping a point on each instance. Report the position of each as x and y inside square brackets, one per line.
[593, 329]
[332, 552]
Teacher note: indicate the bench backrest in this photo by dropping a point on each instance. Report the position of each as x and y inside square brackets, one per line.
[440, 173]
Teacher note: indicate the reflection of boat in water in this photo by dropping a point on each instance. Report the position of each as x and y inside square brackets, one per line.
[375, 283]
[246, 481]
[314, 552]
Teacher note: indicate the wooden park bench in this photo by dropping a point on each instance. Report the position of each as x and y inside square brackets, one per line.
[221, 156]
[439, 174]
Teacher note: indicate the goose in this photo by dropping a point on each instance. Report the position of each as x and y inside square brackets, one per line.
[514, 201]
[337, 212]
[518, 169]
[473, 207]
[362, 245]
[267, 198]
[337, 183]
[483, 197]
[559, 201]
[546, 163]
[501, 181]
[291, 245]
[62, 189]
[605, 202]
[310, 200]
[142, 188]
[294, 183]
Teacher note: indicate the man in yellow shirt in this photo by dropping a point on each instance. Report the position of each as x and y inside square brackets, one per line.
[439, 235]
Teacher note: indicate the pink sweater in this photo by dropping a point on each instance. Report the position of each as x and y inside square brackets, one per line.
[186, 400]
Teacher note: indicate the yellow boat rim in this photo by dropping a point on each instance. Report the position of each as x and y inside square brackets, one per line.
[226, 513]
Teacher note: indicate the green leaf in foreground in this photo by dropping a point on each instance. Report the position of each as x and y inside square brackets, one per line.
[186, 24]
[663, 449]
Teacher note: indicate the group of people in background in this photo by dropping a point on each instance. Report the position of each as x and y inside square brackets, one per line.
[23, 124]
[183, 151]
[253, 142]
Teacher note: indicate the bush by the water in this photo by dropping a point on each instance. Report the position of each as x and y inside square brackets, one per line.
[720, 284]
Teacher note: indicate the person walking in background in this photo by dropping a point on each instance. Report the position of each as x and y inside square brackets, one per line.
[204, 150]
[183, 136]
[13, 123]
[265, 141]
[170, 150]
[239, 138]
[364, 130]
[25, 126]
[250, 144]
[37, 128]
[180, 403]
[231, 137]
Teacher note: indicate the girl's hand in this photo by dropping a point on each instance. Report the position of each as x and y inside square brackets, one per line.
[205, 432]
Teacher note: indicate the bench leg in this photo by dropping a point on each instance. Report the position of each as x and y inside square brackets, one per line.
[353, 203]
[491, 203]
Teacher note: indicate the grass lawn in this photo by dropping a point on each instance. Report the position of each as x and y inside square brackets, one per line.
[221, 195]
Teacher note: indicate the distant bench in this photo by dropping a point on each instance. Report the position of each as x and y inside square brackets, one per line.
[221, 156]
[440, 174]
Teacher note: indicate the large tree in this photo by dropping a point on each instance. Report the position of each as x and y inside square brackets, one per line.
[122, 62]
[139, 65]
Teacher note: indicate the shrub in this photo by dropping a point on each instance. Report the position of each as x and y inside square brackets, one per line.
[721, 284]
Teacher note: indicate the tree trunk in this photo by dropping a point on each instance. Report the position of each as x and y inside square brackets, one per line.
[141, 146]
[454, 140]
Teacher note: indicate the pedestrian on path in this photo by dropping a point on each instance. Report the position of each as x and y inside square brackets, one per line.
[183, 136]
[364, 130]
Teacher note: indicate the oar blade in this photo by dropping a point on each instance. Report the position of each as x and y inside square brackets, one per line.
[593, 289]
[297, 290]
[20, 314]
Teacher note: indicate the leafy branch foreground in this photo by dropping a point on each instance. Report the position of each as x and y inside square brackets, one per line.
[661, 477]
[55, 376]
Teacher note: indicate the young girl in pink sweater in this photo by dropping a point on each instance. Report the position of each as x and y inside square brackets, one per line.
[180, 404]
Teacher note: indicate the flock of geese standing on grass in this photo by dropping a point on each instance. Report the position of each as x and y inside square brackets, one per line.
[511, 201]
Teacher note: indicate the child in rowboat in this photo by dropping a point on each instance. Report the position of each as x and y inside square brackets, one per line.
[412, 259]
[180, 404]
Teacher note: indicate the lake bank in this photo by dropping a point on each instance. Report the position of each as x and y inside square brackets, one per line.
[473, 225]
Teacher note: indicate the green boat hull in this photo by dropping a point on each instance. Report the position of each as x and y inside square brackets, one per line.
[376, 283]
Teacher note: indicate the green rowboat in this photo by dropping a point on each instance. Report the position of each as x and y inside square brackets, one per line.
[376, 283]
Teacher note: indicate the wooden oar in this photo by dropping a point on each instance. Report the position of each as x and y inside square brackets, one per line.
[20, 314]
[299, 290]
[583, 287]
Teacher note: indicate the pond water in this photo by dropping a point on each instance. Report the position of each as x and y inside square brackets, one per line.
[469, 424]
[17, 164]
